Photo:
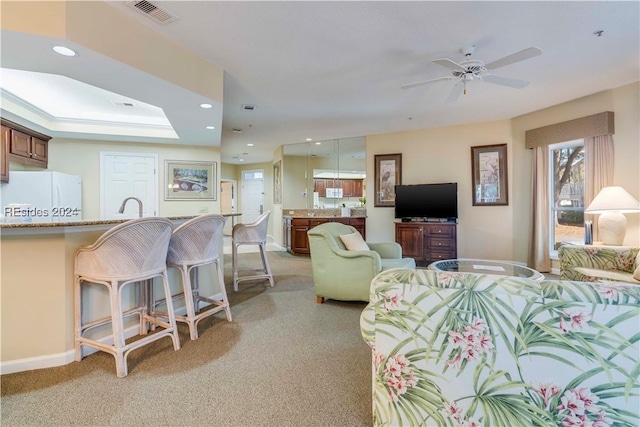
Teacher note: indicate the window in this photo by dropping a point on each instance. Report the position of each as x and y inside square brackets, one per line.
[566, 193]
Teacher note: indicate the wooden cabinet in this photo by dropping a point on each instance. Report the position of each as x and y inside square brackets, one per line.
[350, 187]
[25, 145]
[295, 230]
[427, 242]
[319, 186]
[4, 154]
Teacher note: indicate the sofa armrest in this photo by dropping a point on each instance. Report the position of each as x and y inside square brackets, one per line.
[387, 250]
[368, 325]
[611, 258]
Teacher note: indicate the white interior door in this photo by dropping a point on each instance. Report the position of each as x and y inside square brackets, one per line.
[125, 175]
[252, 195]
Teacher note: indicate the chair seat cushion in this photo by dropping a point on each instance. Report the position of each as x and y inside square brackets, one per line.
[636, 274]
[354, 242]
[619, 276]
[388, 264]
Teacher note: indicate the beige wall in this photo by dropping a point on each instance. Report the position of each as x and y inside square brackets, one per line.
[624, 102]
[443, 155]
[146, 50]
[80, 157]
[234, 172]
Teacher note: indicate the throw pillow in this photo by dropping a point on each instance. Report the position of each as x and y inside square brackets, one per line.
[354, 242]
[636, 274]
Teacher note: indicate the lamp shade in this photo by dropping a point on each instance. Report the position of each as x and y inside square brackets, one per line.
[613, 199]
[612, 203]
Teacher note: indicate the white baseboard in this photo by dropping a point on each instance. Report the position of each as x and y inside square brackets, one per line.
[60, 359]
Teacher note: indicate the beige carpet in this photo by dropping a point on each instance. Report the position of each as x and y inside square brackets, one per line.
[283, 361]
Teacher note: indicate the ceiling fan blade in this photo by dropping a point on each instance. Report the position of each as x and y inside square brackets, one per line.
[516, 57]
[411, 85]
[505, 81]
[447, 63]
[455, 92]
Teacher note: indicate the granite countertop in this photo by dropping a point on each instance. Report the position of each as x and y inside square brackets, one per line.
[323, 213]
[79, 223]
[322, 216]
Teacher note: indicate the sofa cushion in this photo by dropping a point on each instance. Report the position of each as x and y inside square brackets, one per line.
[388, 264]
[354, 242]
[607, 274]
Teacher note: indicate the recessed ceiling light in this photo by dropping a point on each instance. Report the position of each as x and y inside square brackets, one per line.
[206, 105]
[242, 160]
[64, 51]
[249, 145]
[318, 143]
[308, 139]
[211, 127]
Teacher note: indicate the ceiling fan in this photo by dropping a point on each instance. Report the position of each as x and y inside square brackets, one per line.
[474, 69]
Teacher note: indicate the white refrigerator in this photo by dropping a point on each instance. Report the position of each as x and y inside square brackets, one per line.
[41, 197]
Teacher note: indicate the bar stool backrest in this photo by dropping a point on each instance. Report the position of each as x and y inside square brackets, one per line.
[197, 241]
[255, 232]
[136, 248]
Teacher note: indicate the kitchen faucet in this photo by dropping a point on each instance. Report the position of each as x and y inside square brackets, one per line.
[124, 202]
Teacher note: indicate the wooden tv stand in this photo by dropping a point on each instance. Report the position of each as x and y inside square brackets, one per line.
[427, 242]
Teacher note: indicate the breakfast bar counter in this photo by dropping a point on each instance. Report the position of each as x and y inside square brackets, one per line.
[36, 291]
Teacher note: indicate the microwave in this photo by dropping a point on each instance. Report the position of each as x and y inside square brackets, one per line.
[334, 193]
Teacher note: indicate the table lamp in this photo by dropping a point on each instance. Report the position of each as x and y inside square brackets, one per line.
[612, 203]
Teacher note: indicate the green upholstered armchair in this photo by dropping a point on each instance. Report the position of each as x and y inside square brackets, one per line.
[346, 275]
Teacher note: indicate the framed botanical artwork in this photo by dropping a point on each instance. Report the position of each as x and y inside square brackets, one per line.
[277, 182]
[388, 174]
[489, 175]
[187, 180]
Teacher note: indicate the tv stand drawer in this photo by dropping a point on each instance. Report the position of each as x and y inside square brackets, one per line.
[435, 230]
[440, 244]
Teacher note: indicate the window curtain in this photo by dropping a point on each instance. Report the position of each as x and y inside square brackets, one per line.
[539, 233]
[598, 169]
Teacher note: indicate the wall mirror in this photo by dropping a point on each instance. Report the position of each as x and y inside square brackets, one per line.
[324, 174]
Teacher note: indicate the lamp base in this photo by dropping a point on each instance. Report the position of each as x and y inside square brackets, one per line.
[612, 227]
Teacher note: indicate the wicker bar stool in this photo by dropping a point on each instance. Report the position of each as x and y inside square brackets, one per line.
[193, 244]
[251, 234]
[134, 251]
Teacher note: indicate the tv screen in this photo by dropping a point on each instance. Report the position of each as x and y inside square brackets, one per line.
[438, 201]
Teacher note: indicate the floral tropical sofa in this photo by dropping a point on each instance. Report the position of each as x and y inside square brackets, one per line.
[464, 349]
[592, 263]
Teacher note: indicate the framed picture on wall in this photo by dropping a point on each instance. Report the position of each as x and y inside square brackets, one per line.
[388, 174]
[489, 175]
[188, 180]
[277, 182]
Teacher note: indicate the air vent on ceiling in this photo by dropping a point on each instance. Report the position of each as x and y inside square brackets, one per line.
[237, 130]
[154, 12]
[123, 104]
[248, 107]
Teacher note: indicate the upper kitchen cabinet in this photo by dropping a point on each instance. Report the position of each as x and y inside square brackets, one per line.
[25, 145]
[4, 154]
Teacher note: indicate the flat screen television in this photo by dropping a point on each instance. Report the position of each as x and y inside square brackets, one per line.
[427, 201]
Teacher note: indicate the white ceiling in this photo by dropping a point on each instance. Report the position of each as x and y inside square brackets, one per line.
[328, 70]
